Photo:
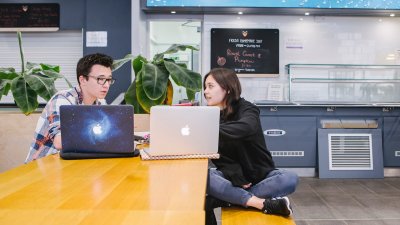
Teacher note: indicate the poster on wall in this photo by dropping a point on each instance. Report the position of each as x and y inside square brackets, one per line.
[249, 52]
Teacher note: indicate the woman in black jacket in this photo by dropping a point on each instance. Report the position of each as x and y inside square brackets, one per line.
[245, 173]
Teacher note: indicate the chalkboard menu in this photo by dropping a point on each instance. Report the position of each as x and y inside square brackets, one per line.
[247, 51]
[30, 16]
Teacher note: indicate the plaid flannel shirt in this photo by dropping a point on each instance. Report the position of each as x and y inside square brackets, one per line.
[48, 125]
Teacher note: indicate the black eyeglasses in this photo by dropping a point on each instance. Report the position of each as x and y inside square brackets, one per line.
[103, 80]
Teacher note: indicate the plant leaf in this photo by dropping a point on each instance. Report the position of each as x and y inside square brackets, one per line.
[184, 77]
[130, 98]
[54, 75]
[50, 74]
[24, 96]
[8, 73]
[120, 62]
[191, 94]
[30, 65]
[145, 102]
[174, 48]
[32, 68]
[182, 65]
[154, 81]
[5, 86]
[50, 67]
[43, 86]
[138, 63]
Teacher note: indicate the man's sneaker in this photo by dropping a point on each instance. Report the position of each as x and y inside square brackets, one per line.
[279, 206]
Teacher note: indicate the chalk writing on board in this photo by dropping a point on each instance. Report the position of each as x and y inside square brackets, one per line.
[250, 51]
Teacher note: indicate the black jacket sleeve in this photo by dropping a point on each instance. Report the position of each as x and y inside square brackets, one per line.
[245, 126]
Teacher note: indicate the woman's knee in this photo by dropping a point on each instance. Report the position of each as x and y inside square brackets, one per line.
[289, 180]
[215, 181]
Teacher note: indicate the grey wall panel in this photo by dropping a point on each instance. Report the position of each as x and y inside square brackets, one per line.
[115, 18]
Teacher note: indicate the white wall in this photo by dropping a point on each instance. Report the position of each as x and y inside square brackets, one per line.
[139, 30]
[334, 40]
[330, 40]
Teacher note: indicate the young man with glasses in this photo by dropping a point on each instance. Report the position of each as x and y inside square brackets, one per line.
[94, 77]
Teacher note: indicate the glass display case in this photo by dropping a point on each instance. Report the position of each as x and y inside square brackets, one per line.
[344, 83]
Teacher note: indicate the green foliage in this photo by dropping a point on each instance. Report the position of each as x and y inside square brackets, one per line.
[152, 84]
[34, 80]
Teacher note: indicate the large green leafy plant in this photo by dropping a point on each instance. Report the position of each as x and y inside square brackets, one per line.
[152, 84]
[35, 79]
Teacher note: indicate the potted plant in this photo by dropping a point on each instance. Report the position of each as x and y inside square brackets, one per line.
[152, 83]
[35, 79]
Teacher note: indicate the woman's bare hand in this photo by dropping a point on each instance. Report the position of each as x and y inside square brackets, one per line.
[246, 185]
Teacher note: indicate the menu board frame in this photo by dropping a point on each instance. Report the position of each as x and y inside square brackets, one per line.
[29, 16]
[250, 52]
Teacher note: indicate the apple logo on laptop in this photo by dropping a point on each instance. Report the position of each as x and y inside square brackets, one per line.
[185, 131]
[97, 129]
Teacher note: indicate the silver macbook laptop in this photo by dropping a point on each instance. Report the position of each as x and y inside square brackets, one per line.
[104, 130]
[183, 130]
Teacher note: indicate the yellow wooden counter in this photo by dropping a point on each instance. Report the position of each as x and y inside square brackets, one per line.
[104, 191]
[240, 216]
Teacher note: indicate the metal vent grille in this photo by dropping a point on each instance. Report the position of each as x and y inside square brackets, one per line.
[397, 154]
[350, 152]
[287, 153]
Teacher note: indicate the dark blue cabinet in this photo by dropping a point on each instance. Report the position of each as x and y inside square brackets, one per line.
[391, 141]
[291, 140]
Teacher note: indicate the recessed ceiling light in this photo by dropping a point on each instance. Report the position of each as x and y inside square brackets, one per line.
[173, 12]
[301, 19]
[392, 14]
[307, 13]
[240, 13]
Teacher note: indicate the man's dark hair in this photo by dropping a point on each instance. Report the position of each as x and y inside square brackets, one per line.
[229, 81]
[85, 64]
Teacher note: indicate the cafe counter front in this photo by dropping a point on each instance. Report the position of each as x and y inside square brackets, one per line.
[334, 138]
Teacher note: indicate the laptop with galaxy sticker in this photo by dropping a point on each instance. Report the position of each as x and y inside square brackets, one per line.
[96, 131]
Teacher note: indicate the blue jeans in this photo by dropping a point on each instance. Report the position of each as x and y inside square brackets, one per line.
[276, 184]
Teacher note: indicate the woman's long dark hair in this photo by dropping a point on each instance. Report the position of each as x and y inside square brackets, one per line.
[229, 81]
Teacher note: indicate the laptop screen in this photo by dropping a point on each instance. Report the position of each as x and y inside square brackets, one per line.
[183, 130]
[97, 128]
